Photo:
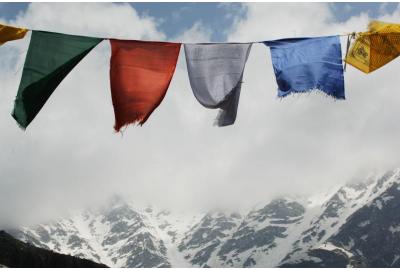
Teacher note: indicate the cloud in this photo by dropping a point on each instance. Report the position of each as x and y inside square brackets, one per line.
[307, 142]
[98, 19]
[70, 154]
[196, 33]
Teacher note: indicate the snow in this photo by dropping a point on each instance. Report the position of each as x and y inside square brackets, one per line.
[350, 244]
[319, 199]
[396, 257]
[394, 229]
[82, 226]
[387, 198]
[359, 252]
[293, 231]
[353, 199]
[178, 223]
[170, 228]
[378, 204]
[364, 223]
[331, 247]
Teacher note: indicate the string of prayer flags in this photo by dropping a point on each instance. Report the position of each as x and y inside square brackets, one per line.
[9, 33]
[50, 57]
[375, 48]
[305, 64]
[140, 74]
[215, 74]
[141, 71]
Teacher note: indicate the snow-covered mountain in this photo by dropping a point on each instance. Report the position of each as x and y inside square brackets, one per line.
[340, 229]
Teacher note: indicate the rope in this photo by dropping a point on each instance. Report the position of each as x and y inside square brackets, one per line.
[349, 38]
[250, 42]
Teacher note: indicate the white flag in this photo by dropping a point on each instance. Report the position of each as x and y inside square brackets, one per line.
[215, 74]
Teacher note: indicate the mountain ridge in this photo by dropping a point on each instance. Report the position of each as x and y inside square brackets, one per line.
[283, 232]
[14, 253]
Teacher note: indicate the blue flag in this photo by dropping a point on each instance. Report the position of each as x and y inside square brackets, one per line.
[305, 64]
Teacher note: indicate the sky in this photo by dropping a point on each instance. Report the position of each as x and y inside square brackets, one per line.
[70, 155]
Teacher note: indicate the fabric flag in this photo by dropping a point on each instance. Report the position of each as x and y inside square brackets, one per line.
[8, 33]
[305, 64]
[215, 74]
[140, 73]
[50, 57]
[375, 48]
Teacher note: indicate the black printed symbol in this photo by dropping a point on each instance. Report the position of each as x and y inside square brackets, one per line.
[361, 51]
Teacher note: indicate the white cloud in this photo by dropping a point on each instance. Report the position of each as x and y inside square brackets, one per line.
[303, 144]
[98, 19]
[196, 33]
[307, 142]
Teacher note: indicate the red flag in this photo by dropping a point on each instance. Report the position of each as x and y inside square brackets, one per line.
[140, 73]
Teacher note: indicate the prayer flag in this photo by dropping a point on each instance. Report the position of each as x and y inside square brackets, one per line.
[50, 57]
[8, 33]
[140, 73]
[305, 64]
[375, 48]
[215, 74]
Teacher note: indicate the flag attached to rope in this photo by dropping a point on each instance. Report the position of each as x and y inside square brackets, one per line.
[215, 74]
[304, 64]
[375, 48]
[140, 73]
[8, 33]
[50, 57]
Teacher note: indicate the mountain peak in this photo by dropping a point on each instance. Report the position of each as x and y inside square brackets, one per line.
[284, 231]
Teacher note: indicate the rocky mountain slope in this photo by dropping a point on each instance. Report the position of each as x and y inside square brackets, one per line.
[14, 253]
[338, 230]
[369, 219]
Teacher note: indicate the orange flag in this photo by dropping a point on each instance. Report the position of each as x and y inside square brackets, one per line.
[8, 33]
[140, 73]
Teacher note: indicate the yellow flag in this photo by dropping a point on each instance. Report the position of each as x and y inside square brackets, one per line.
[375, 48]
[8, 33]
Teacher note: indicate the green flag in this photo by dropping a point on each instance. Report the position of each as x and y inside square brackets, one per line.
[51, 56]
